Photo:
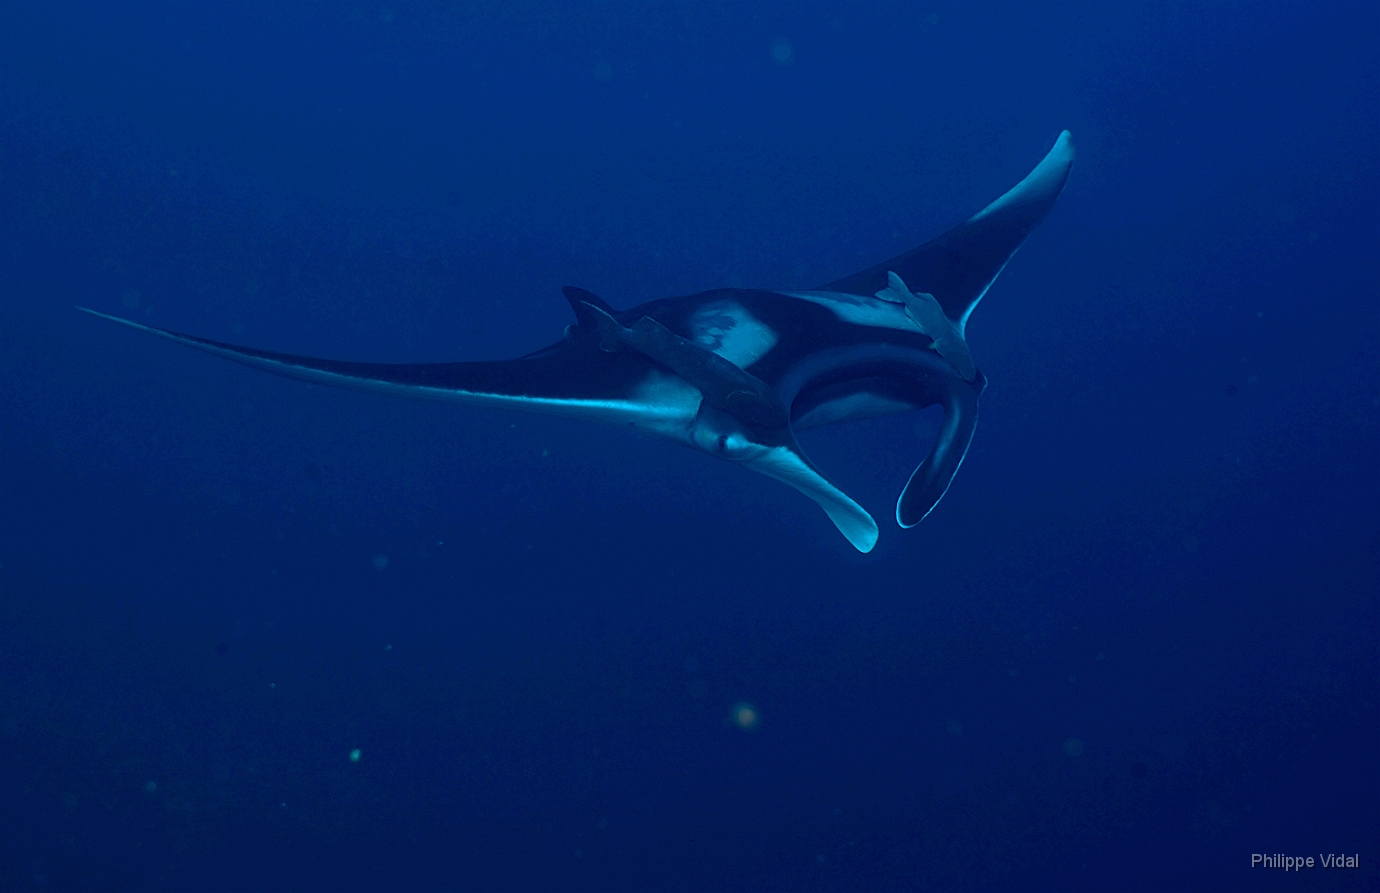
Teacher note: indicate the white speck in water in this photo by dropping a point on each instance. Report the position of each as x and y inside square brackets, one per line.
[745, 716]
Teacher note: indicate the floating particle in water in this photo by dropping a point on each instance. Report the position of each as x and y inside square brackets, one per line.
[745, 716]
[953, 727]
[150, 787]
[1173, 746]
[380, 562]
[1073, 747]
[355, 755]
[782, 52]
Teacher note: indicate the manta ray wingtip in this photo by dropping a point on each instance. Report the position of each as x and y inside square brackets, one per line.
[1064, 144]
[119, 319]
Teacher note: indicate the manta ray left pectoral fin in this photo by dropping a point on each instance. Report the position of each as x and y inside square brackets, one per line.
[556, 382]
[301, 368]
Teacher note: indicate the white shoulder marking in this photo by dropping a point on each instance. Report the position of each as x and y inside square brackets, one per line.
[859, 309]
[728, 329]
[1040, 182]
[929, 316]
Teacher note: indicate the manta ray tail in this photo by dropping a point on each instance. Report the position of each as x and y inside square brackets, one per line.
[959, 266]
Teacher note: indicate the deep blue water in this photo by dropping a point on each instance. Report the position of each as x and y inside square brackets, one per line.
[1138, 641]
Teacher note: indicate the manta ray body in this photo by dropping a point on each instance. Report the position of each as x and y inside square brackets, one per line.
[736, 372]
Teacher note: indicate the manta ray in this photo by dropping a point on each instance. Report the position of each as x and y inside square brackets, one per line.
[735, 372]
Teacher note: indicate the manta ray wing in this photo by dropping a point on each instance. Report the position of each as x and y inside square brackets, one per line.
[959, 266]
[573, 380]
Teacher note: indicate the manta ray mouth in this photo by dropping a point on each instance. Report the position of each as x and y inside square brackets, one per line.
[908, 378]
[923, 372]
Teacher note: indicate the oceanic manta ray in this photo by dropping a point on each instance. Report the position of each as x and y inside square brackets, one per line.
[736, 372]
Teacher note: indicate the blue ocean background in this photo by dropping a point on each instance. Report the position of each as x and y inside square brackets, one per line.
[1137, 642]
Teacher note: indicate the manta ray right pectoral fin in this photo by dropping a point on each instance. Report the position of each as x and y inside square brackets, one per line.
[790, 467]
[959, 266]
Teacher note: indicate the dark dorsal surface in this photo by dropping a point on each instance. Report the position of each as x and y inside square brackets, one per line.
[958, 267]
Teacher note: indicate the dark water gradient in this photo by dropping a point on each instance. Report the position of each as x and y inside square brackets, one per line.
[1160, 555]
